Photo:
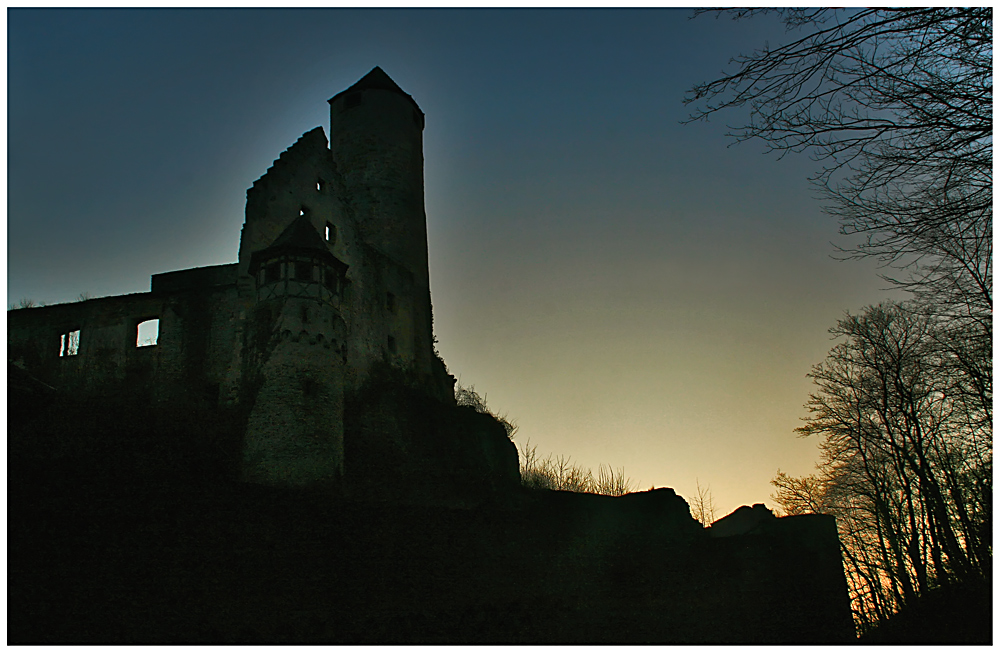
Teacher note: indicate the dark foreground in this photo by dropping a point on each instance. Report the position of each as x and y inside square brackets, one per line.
[119, 532]
[99, 555]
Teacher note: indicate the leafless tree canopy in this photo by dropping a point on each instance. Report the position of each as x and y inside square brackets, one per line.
[907, 461]
[703, 505]
[897, 105]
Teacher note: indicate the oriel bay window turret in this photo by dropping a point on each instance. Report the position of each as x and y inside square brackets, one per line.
[298, 264]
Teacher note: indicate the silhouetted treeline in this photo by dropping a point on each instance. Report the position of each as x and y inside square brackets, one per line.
[896, 104]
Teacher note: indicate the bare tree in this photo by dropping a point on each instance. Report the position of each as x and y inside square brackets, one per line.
[897, 105]
[905, 467]
[24, 303]
[703, 505]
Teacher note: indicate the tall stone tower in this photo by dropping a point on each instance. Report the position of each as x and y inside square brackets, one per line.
[376, 143]
[288, 371]
[376, 139]
[333, 284]
[296, 353]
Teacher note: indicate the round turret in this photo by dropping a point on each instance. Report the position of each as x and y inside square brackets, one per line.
[376, 140]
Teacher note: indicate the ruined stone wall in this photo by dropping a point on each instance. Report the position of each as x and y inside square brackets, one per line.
[90, 347]
[376, 140]
[301, 180]
[390, 321]
[293, 389]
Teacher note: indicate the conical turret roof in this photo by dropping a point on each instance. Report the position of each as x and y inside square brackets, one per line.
[376, 79]
[300, 237]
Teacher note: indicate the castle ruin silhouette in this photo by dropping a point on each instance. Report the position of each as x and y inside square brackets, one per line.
[331, 284]
[316, 350]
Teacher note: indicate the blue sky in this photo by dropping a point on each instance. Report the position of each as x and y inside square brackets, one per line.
[631, 290]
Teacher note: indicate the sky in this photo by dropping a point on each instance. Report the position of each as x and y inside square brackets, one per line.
[630, 290]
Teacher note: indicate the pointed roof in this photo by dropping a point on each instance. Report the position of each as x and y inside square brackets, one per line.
[376, 79]
[300, 237]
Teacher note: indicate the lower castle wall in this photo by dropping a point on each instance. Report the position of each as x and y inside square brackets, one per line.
[293, 387]
[189, 359]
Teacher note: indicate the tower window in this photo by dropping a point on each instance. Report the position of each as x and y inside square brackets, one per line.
[391, 343]
[147, 333]
[319, 185]
[272, 272]
[390, 302]
[69, 343]
[330, 233]
[303, 271]
[304, 210]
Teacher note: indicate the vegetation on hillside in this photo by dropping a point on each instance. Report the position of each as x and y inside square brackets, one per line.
[560, 473]
[551, 473]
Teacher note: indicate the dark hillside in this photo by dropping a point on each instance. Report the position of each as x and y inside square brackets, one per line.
[124, 526]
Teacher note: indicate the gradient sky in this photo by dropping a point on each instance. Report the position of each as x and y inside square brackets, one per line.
[630, 290]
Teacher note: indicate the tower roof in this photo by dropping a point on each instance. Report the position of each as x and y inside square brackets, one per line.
[376, 79]
[300, 237]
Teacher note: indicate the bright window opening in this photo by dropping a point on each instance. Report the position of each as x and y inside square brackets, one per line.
[69, 343]
[147, 333]
[331, 233]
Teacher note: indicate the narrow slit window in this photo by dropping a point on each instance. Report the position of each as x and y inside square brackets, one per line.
[147, 333]
[330, 233]
[69, 343]
[319, 185]
[304, 210]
